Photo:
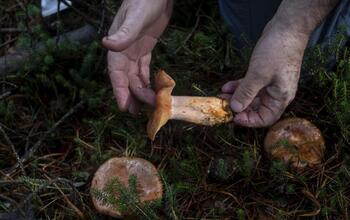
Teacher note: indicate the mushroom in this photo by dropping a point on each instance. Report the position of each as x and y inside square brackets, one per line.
[295, 141]
[199, 110]
[149, 186]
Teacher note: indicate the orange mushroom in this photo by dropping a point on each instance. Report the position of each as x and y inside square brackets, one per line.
[199, 110]
[296, 141]
[149, 186]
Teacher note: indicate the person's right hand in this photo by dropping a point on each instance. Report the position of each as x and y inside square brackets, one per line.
[132, 36]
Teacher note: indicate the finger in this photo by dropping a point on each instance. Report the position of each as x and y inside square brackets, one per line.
[262, 117]
[120, 89]
[134, 107]
[138, 88]
[255, 104]
[241, 118]
[271, 108]
[230, 86]
[117, 67]
[245, 93]
[225, 96]
[248, 119]
[128, 31]
[144, 95]
[144, 69]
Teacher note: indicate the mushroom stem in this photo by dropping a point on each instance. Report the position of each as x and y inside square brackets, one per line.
[200, 110]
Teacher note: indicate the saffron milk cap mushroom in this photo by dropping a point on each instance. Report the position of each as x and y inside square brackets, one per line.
[149, 186]
[296, 141]
[198, 110]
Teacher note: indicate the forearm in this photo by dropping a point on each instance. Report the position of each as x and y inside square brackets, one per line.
[303, 16]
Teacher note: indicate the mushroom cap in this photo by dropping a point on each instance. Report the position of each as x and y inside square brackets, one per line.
[149, 186]
[164, 86]
[296, 141]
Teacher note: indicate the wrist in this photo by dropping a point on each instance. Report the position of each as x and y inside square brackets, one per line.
[302, 17]
[292, 40]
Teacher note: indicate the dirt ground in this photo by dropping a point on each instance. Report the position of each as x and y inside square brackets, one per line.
[59, 122]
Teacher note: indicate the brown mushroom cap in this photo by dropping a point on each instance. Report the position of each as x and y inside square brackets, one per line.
[149, 186]
[164, 86]
[296, 141]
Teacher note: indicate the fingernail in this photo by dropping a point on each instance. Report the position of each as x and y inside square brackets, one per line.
[109, 37]
[236, 106]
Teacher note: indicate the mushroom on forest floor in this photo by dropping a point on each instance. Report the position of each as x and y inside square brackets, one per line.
[149, 186]
[296, 141]
[199, 110]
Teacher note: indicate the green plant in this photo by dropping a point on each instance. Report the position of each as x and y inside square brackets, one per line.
[247, 163]
[240, 214]
[125, 199]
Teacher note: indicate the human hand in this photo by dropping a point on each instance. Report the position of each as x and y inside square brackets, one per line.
[132, 36]
[270, 84]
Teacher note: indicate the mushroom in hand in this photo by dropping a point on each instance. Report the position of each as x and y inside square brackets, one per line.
[149, 186]
[199, 110]
[296, 141]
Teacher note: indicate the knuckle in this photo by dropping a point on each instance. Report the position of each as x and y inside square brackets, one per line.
[289, 97]
[258, 76]
[124, 30]
[122, 108]
[247, 91]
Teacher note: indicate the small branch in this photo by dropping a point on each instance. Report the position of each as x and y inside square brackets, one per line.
[7, 43]
[21, 5]
[29, 154]
[70, 204]
[103, 14]
[87, 5]
[5, 94]
[39, 189]
[9, 30]
[11, 62]
[86, 17]
[191, 32]
[10, 91]
[19, 162]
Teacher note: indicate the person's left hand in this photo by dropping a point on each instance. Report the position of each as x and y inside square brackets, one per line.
[271, 82]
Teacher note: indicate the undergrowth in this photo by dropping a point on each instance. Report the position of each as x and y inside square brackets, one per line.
[70, 79]
[125, 200]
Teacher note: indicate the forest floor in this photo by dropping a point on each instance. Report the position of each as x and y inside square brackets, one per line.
[59, 122]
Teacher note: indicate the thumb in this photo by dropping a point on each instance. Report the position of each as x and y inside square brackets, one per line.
[126, 34]
[245, 93]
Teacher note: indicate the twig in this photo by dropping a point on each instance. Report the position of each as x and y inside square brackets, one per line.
[191, 33]
[103, 14]
[87, 5]
[76, 210]
[8, 42]
[9, 92]
[29, 154]
[5, 94]
[10, 63]
[21, 5]
[36, 146]
[9, 30]
[47, 183]
[317, 204]
[87, 18]
[19, 162]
